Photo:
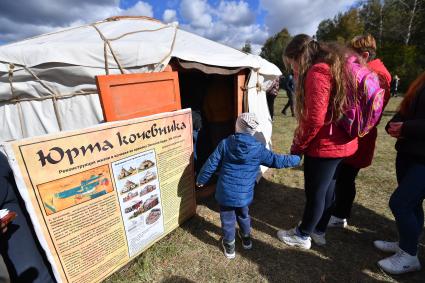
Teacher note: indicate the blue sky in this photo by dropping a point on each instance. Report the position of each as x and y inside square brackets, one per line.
[231, 22]
[160, 6]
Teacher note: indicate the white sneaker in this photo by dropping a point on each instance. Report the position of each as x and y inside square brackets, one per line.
[291, 238]
[318, 239]
[336, 222]
[388, 247]
[400, 263]
[229, 249]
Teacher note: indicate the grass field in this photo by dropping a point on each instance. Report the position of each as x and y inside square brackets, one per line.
[192, 254]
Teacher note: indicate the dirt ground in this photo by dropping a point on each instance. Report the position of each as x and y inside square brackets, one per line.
[192, 253]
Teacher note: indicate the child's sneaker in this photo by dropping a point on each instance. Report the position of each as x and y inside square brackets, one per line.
[246, 241]
[318, 238]
[291, 238]
[229, 249]
[388, 247]
[336, 222]
[400, 263]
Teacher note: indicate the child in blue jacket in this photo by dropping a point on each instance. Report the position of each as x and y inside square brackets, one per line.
[239, 157]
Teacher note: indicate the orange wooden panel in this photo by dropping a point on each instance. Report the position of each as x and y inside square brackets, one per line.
[135, 95]
[239, 92]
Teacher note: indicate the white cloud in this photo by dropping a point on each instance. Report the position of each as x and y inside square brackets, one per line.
[197, 13]
[236, 13]
[140, 9]
[11, 31]
[301, 16]
[43, 16]
[169, 16]
[230, 22]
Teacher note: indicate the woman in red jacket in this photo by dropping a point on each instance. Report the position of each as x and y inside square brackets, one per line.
[345, 189]
[322, 84]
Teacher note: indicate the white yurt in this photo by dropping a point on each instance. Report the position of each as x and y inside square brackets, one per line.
[47, 83]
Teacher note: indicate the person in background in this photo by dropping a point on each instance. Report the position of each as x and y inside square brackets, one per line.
[197, 127]
[192, 91]
[345, 188]
[21, 252]
[321, 91]
[408, 127]
[238, 159]
[394, 85]
[290, 89]
[271, 94]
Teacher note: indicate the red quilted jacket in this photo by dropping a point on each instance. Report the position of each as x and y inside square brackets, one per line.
[364, 155]
[315, 136]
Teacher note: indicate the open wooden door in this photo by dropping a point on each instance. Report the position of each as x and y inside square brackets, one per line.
[135, 95]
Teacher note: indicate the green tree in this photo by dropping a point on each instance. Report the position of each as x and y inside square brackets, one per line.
[342, 28]
[371, 13]
[398, 27]
[274, 46]
[327, 30]
[247, 47]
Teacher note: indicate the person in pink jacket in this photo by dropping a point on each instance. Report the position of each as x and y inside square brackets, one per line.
[321, 91]
[345, 189]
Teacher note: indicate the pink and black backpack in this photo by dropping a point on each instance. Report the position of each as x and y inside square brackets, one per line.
[365, 101]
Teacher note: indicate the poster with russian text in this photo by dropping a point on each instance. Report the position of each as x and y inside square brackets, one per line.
[100, 196]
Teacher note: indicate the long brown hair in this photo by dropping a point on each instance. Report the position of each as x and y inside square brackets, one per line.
[306, 51]
[411, 93]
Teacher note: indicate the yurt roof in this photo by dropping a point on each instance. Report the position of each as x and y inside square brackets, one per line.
[137, 41]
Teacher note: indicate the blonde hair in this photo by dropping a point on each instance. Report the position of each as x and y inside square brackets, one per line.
[364, 43]
[306, 52]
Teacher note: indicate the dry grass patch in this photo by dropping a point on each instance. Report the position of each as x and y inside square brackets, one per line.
[192, 253]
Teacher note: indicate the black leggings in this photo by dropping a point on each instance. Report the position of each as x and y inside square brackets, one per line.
[319, 178]
[270, 104]
[345, 190]
[289, 104]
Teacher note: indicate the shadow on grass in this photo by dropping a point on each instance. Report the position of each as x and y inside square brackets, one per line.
[349, 255]
[177, 279]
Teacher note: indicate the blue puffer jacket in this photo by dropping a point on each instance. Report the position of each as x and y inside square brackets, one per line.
[239, 157]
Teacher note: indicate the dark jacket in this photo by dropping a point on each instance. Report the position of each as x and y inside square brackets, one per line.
[412, 140]
[239, 157]
[289, 84]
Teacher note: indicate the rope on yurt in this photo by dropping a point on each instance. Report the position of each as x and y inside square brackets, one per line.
[108, 43]
[246, 88]
[14, 95]
[105, 54]
[17, 99]
[171, 48]
[62, 96]
[54, 96]
[139, 31]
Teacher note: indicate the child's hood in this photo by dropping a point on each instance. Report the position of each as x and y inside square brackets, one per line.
[243, 146]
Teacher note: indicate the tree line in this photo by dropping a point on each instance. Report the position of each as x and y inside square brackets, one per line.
[397, 25]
